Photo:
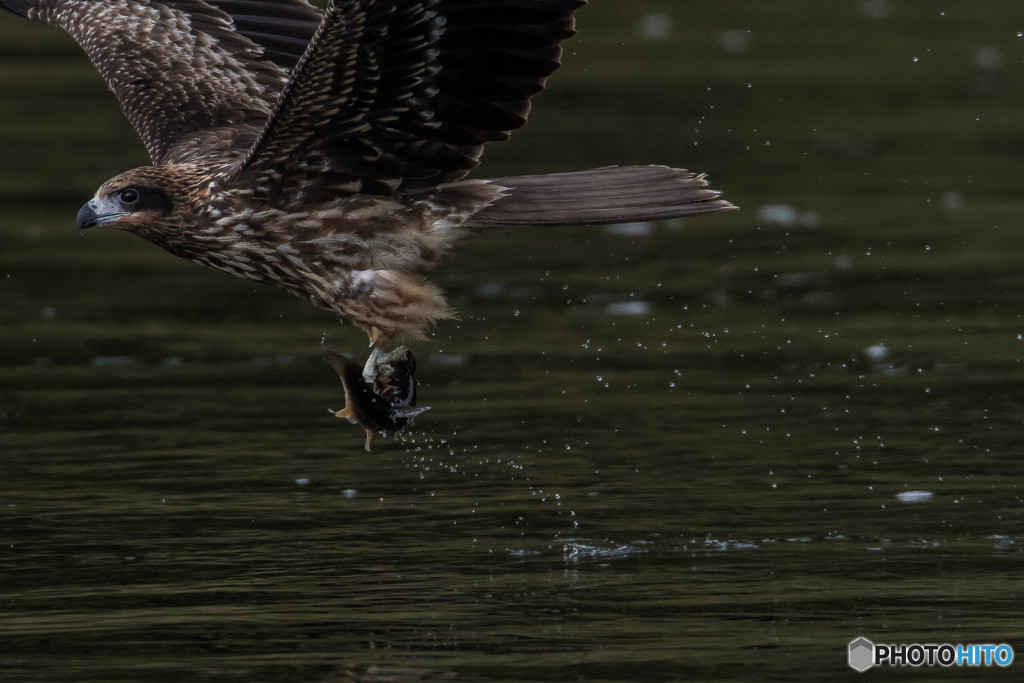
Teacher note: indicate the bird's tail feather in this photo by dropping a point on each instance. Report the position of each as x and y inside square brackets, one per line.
[616, 194]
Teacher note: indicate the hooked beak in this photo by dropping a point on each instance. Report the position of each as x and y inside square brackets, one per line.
[88, 218]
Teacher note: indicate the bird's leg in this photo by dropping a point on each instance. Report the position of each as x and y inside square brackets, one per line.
[370, 369]
[390, 375]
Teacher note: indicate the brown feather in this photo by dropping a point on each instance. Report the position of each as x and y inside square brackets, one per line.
[177, 67]
[600, 196]
[283, 28]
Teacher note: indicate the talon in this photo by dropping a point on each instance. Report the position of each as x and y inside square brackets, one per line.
[370, 368]
[380, 396]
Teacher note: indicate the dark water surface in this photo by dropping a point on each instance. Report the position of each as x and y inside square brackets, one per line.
[713, 450]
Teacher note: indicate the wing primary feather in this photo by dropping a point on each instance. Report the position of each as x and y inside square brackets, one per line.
[402, 96]
[19, 7]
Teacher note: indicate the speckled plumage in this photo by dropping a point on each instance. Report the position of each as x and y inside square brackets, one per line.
[326, 151]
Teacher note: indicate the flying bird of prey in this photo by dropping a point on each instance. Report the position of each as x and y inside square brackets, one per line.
[325, 151]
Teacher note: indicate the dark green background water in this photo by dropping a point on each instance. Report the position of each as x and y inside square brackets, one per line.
[668, 452]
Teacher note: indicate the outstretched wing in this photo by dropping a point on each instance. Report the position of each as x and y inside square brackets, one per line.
[194, 78]
[400, 96]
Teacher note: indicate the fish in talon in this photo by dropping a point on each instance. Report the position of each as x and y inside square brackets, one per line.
[388, 403]
[392, 376]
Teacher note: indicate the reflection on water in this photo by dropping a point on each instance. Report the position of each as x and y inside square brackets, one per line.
[717, 450]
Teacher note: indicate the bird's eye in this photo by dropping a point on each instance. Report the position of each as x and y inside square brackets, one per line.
[129, 196]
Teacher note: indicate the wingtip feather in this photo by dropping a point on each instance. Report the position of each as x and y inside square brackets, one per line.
[19, 7]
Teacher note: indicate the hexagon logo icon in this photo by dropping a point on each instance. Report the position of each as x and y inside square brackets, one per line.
[862, 654]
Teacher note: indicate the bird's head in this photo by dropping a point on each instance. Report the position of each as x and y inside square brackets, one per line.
[144, 200]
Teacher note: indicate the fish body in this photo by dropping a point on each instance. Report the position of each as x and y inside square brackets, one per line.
[387, 402]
